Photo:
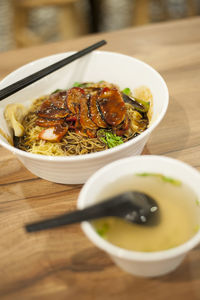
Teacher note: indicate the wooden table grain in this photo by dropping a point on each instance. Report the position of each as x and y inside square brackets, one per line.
[62, 263]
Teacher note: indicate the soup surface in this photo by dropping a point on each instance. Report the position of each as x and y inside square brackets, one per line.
[179, 219]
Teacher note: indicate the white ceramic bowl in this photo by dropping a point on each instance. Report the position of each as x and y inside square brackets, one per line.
[99, 65]
[146, 264]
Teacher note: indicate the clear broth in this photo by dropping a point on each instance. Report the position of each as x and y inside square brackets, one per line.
[178, 209]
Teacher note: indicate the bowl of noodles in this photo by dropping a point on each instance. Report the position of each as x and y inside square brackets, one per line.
[98, 109]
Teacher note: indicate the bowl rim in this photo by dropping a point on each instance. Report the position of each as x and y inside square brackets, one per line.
[100, 153]
[116, 251]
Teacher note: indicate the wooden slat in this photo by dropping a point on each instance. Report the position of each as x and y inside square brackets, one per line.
[67, 17]
[40, 3]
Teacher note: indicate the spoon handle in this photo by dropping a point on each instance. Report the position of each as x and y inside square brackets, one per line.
[92, 212]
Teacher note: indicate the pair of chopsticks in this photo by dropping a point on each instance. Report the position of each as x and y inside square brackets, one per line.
[20, 84]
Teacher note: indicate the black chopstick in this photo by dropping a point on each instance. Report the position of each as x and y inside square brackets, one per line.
[20, 84]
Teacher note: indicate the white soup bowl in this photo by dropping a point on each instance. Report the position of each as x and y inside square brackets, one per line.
[148, 264]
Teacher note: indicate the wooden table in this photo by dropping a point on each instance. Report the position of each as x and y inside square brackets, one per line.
[62, 263]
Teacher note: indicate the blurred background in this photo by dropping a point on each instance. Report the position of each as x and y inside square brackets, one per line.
[24, 23]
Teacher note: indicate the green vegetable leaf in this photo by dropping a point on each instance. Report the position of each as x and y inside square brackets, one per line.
[103, 230]
[109, 138]
[77, 84]
[162, 177]
[146, 104]
[139, 104]
[127, 91]
[113, 140]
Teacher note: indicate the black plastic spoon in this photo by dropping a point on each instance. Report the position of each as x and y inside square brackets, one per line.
[134, 207]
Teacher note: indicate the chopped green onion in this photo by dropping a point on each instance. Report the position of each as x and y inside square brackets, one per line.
[147, 174]
[162, 177]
